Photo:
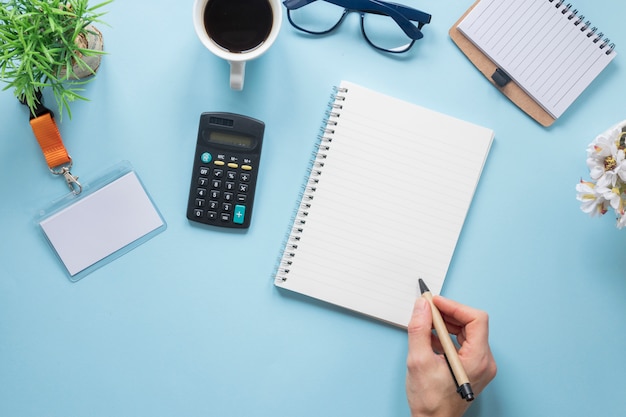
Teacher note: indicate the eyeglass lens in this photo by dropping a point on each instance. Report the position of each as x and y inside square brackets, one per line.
[381, 31]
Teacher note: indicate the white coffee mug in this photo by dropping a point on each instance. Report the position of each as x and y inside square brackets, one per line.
[237, 30]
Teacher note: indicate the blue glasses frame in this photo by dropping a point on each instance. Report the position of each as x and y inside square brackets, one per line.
[404, 17]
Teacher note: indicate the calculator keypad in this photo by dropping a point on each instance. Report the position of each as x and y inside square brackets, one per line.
[224, 190]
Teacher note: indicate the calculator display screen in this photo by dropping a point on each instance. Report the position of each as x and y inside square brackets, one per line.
[239, 141]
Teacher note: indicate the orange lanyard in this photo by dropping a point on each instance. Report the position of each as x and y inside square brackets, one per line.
[47, 133]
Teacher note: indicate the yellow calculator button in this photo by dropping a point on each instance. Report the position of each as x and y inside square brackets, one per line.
[246, 167]
[220, 163]
[232, 165]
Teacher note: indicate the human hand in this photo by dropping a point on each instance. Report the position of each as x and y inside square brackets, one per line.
[430, 387]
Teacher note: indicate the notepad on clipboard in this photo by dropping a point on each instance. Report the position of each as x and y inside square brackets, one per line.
[389, 188]
[542, 54]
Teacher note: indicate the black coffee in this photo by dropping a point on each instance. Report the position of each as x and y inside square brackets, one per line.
[238, 25]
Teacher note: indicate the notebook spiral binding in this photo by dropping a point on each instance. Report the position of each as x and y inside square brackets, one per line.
[591, 33]
[319, 154]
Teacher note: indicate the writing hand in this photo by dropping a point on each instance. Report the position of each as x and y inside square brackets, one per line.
[431, 390]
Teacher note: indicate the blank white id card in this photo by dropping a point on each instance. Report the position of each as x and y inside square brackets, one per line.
[105, 221]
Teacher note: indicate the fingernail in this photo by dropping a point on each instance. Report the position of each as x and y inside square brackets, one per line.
[420, 305]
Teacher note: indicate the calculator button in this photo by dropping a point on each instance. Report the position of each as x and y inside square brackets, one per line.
[240, 214]
[206, 157]
[224, 185]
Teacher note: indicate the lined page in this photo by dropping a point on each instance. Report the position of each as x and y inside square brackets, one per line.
[540, 46]
[389, 206]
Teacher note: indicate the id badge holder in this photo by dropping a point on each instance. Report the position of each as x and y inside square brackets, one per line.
[111, 216]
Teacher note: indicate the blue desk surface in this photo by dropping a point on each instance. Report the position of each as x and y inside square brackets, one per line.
[190, 324]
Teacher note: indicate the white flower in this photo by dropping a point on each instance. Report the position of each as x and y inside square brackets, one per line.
[592, 203]
[606, 160]
[604, 142]
[611, 194]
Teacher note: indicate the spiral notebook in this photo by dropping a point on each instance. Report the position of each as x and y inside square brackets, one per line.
[549, 51]
[389, 187]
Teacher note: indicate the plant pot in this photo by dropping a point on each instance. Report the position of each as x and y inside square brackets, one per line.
[92, 40]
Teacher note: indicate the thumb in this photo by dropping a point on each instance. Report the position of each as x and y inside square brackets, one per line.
[420, 327]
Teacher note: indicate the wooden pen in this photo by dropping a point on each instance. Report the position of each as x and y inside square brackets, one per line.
[449, 350]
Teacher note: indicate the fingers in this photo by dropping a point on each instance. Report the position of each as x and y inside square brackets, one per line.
[436, 344]
[462, 320]
[430, 388]
[458, 313]
[471, 327]
[419, 328]
[421, 336]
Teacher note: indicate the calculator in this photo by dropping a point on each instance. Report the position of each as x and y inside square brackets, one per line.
[225, 170]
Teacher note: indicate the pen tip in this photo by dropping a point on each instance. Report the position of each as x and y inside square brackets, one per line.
[423, 287]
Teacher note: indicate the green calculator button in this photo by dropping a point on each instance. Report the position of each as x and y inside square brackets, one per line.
[206, 157]
[239, 214]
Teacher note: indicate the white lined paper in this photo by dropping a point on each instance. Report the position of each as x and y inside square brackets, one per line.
[540, 46]
[389, 206]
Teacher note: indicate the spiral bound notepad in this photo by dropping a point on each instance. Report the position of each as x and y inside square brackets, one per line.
[389, 187]
[545, 46]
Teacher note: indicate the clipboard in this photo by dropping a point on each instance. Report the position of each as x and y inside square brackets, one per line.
[487, 67]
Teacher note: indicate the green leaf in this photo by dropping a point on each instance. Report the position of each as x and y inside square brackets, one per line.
[37, 40]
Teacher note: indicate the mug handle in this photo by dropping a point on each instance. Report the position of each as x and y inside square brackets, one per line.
[237, 74]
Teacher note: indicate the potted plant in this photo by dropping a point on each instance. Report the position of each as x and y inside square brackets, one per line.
[49, 43]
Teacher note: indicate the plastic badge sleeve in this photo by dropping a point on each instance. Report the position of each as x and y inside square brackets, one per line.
[109, 218]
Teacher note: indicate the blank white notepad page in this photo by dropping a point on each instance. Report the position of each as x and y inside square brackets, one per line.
[387, 207]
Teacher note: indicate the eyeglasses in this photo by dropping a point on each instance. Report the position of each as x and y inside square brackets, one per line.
[388, 27]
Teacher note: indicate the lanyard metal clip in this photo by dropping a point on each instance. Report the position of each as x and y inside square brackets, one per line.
[71, 180]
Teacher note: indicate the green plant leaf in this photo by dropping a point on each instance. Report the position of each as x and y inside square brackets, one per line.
[38, 41]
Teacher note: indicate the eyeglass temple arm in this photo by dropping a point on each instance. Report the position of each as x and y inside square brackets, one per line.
[380, 7]
[296, 4]
[412, 14]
